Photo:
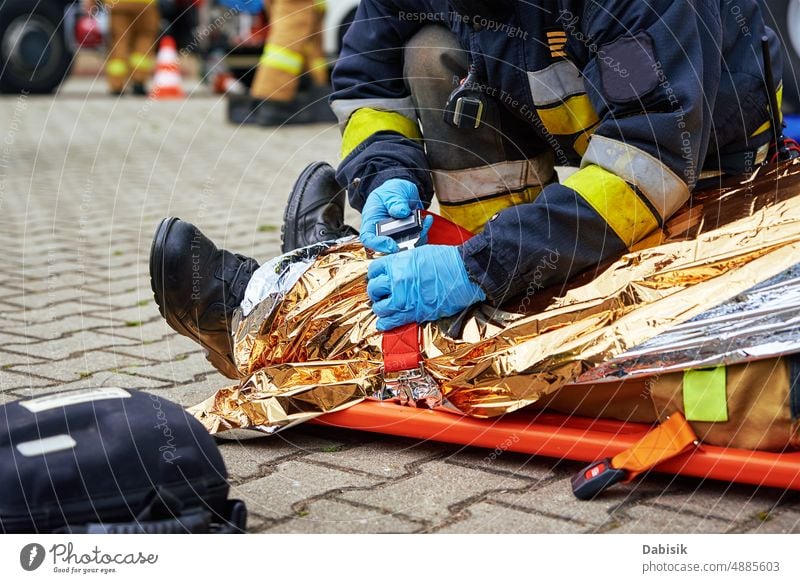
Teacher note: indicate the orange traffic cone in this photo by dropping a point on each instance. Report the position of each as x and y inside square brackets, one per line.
[167, 80]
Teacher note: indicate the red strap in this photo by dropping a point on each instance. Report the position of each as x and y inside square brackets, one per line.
[401, 345]
[401, 348]
[444, 232]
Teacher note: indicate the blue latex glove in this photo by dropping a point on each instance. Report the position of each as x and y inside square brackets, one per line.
[394, 199]
[419, 285]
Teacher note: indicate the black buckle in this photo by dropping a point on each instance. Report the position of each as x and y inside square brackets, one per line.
[406, 232]
[465, 106]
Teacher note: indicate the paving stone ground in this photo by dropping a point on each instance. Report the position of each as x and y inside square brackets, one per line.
[84, 180]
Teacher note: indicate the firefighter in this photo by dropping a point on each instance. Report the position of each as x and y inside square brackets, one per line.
[476, 102]
[294, 47]
[134, 27]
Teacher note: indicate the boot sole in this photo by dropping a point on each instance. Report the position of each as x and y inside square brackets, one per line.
[293, 206]
[240, 110]
[220, 361]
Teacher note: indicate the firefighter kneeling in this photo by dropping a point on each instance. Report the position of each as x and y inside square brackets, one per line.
[643, 99]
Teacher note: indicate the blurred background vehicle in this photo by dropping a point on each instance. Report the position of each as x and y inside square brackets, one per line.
[39, 39]
[35, 54]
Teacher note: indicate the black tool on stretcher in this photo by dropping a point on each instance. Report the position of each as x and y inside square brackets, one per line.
[405, 232]
[595, 478]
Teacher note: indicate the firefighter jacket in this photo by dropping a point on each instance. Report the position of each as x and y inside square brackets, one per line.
[641, 96]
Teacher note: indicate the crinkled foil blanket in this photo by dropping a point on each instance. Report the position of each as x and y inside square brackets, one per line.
[719, 284]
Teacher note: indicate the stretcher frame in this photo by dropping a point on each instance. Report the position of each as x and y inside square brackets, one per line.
[566, 437]
[560, 436]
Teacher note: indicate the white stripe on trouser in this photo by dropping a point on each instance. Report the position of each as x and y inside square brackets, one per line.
[344, 108]
[468, 184]
[556, 83]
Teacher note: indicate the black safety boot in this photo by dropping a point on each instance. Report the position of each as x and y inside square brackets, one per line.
[308, 107]
[315, 211]
[242, 109]
[197, 287]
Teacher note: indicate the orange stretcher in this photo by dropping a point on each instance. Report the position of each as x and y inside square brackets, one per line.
[611, 446]
[567, 437]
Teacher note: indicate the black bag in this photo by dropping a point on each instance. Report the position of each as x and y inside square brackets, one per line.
[110, 460]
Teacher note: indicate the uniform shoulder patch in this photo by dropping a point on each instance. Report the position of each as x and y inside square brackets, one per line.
[628, 68]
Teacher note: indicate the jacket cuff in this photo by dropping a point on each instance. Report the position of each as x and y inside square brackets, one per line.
[485, 270]
[360, 188]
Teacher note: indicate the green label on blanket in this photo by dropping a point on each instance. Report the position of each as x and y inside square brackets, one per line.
[704, 396]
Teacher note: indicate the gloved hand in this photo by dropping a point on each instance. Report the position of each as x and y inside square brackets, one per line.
[419, 285]
[394, 199]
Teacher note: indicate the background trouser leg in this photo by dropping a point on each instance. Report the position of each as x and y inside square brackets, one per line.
[146, 28]
[316, 63]
[282, 63]
[117, 68]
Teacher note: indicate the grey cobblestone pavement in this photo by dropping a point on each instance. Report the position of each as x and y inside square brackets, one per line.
[83, 183]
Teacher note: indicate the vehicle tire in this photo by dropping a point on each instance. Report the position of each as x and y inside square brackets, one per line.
[34, 56]
[783, 16]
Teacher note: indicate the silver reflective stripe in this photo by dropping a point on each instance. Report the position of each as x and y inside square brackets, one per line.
[761, 154]
[344, 108]
[556, 83]
[73, 398]
[662, 187]
[455, 186]
[46, 445]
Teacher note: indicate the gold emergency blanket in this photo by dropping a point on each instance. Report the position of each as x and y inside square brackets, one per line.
[313, 348]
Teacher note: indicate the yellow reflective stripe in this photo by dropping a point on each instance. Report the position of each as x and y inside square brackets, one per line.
[768, 124]
[575, 115]
[581, 143]
[705, 395]
[143, 62]
[117, 67]
[762, 128]
[321, 5]
[282, 58]
[615, 201]
[474, 215]
[366, 122]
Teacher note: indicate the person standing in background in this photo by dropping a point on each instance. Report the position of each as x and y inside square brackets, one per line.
[134, 29]
[294, 47]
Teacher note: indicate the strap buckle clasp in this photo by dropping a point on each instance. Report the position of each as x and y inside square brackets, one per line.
[413, 387]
